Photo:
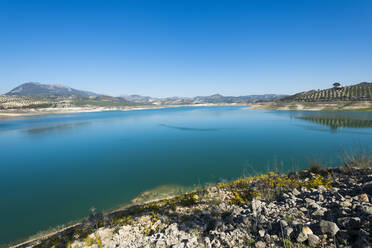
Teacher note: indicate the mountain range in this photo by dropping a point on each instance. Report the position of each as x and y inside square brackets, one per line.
[37, 95]
[38, 89]
[212, 99]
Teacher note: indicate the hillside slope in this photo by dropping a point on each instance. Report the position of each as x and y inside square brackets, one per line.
[358, 92]
[32, 88]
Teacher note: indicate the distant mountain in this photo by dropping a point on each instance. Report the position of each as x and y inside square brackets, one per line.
[214, 99]
[137, 98]
[31, 88]
[35, 94]
[217, 98]
[357, 92]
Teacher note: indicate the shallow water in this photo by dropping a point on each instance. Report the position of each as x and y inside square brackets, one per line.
[54, 168]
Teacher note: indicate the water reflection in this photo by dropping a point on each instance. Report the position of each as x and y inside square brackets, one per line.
[61, 127]
[332, 130]
[190, 128]
[336, 120]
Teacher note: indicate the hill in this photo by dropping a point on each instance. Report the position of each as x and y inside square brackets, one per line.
[32, 88]
[36, 96]
[357, 92]
[213, 99]
[24, 102]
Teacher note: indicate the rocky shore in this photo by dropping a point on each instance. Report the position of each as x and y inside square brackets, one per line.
[311, 208]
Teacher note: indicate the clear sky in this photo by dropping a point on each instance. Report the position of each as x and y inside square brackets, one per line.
[186, 48]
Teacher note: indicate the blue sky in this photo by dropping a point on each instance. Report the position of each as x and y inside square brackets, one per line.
[186, 48]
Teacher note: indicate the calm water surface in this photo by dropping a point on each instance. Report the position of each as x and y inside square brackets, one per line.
[53, 169]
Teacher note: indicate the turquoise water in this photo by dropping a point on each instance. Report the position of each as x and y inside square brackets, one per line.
[54, 168]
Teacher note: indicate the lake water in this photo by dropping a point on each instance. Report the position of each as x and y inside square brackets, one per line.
[54, 168]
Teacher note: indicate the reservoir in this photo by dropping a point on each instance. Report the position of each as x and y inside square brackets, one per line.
[55, 168]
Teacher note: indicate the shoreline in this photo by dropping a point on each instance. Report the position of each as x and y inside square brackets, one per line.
[301, 106]
[299, 207]
[5, 114]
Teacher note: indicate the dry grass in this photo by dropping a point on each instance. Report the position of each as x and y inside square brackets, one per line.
[358, 159]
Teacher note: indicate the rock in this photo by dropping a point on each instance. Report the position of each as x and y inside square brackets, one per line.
[367, 209]
[260, 244]
[283, 223]
[303, 209]
[303, 235]
[328, 227]
[319, 212]
[334, 190]
[313, 240]
[216, 243]
[285, 196]
[246, 221]
[345, 204]
[367, 188]
[104, 233]
[314, 205]
[171, 229]
[304, 189]
[295, 223]
[288, 231]
[271, 205]
[343, 235]
[256, 205]
[307, 230]
[207, 242]
[178, 245]
[349, 222]
[321, 189]
[339, 197]
[261, 233]
[222, 206]
[295, 192]
[363, 197]
[161, 243]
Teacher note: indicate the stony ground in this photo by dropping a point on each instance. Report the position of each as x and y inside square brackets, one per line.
[317, 208]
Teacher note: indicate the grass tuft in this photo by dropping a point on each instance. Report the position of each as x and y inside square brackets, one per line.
[360, 159]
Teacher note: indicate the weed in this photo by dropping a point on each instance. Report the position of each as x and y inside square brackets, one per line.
[89, 241]
[287, 243]
[243, 197]
[173, 207]
[315, 167]
[361, 159]
[288, 218]
[155, 217]
[123, 221]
